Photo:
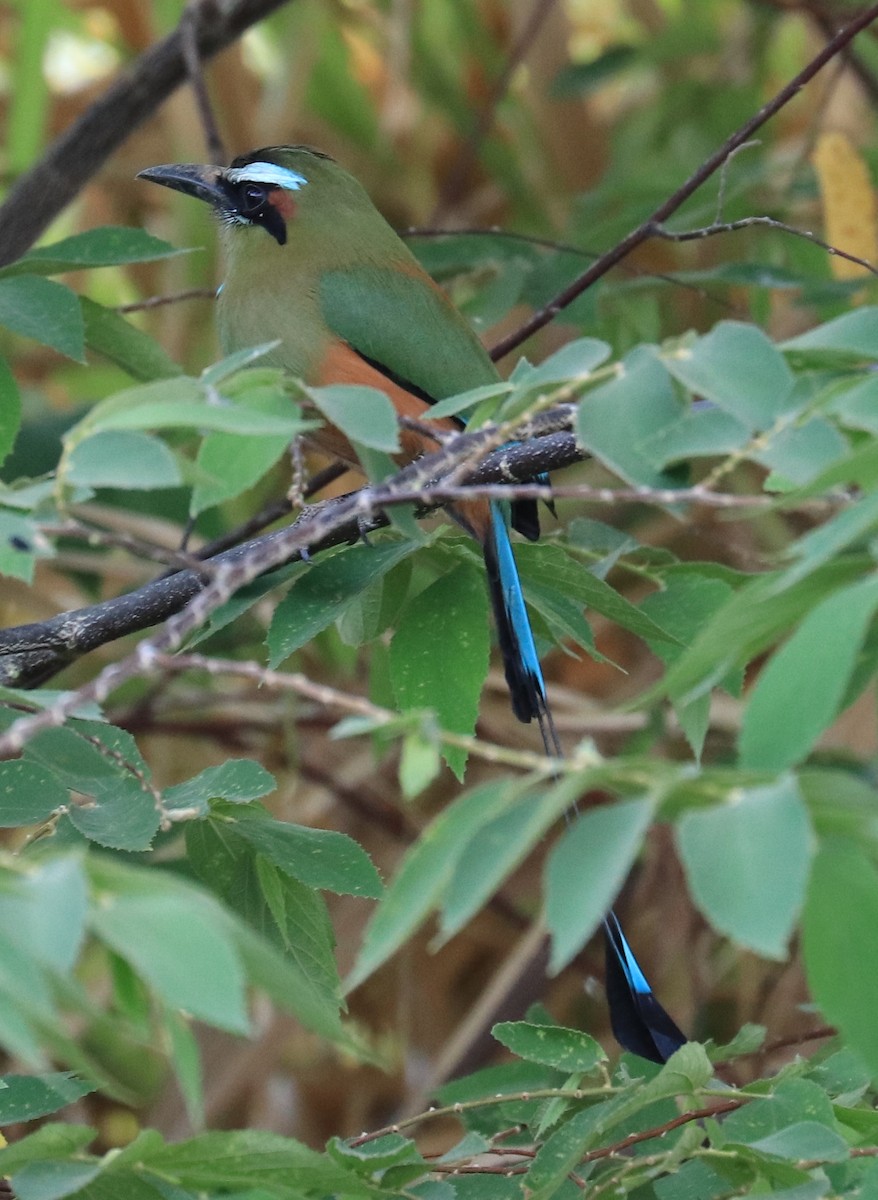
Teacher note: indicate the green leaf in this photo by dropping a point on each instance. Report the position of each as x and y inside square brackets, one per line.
[119, 809]
[52, 1141]
[445, 624]
[618, 420]
[804, 1140]
[237, 780]
[44, 911]
[291, 950]
[108, 246]
[48, 312]
[739, 369]
[10, 410]
[29, 793]
[303, 927]
[562, 1151]
[26, 1097]
[425, 873]
[585, 871]
[502, 844]
[109, 334]
[195, 414]
[542, 563]
[569, 1050]
[123, 460]
[750, 620]
[575, 361]
[182, 954]
[747, 864]
[228, 465]
[21, 544]
[841, 958]
[252, 1158]
[854, 332]
[320, 858]
[320, 595]
[363, 414]
[808, 676]
[823, 543]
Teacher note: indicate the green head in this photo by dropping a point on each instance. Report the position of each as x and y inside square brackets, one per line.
[287, 193]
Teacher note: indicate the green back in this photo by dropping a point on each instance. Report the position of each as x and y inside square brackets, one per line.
[345, 273]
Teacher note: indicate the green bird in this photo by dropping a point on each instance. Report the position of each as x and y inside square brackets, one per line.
[312, 265]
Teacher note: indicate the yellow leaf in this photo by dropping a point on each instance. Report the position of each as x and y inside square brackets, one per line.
[849, 213]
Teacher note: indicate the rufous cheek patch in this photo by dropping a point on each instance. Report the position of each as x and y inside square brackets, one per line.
[283, 203]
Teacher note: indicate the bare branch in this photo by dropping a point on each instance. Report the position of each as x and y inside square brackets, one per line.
[667, 208]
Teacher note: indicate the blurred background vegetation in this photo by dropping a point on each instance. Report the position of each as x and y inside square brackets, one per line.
[565, 120]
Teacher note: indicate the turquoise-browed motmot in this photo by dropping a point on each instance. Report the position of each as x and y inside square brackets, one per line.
[312, 264]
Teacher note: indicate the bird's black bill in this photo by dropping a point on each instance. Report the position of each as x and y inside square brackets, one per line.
[203, 182]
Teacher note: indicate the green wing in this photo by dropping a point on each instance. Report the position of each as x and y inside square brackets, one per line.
[407, 328]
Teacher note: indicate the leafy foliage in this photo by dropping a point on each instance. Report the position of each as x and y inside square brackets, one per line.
[186, 855]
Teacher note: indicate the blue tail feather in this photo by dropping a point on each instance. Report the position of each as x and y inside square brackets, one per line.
[639, 1022]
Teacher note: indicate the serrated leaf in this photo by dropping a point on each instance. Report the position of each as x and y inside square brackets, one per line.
[569, 1050]
[29, 793]
[320, 858]
[448, 621]
[321, 594]
[237, 780]
[26, 1097]
[46, 311]
[290, 952]
[117, 808]
[747, 864]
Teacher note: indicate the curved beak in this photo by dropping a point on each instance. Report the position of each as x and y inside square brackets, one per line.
[203, 182]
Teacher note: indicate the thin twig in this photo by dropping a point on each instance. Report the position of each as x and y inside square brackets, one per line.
[452, 185]
[667, 208]
[194, 69]
[691, 235]
[172, 298]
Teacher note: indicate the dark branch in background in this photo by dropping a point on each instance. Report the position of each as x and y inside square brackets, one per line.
[189, 24]
[827, 26]
[31, 654]
[453, 184]
[73, 158]
[458, 460]
[652, 226]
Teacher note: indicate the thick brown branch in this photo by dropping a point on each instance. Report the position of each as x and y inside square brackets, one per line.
[31, 654]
